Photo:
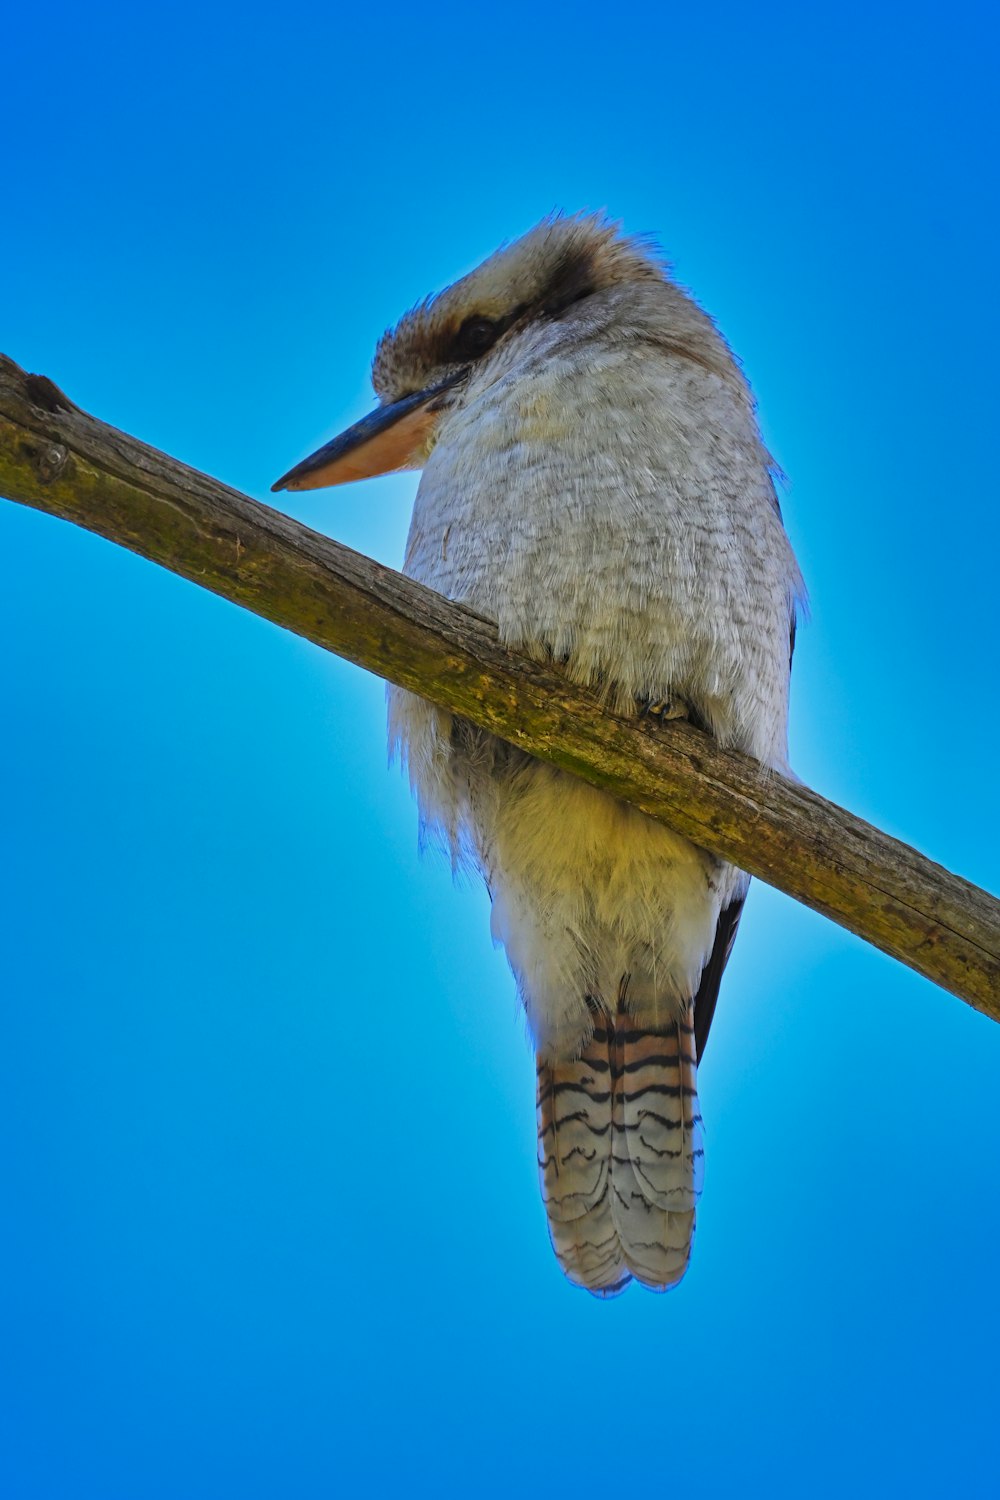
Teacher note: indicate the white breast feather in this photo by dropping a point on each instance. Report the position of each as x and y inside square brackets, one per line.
[609, 501]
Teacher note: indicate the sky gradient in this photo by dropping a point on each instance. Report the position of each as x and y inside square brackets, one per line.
[243, 1252]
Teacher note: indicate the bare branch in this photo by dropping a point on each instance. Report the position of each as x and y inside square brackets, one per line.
[56, 458]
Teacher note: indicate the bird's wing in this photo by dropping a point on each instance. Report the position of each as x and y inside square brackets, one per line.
[711, 976]
[725, 934]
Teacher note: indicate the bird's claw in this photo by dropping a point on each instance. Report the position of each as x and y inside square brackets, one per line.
[663, 709]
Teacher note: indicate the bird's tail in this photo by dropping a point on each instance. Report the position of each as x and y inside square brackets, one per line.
[620, 1154]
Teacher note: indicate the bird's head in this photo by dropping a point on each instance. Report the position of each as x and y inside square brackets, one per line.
[517, 304]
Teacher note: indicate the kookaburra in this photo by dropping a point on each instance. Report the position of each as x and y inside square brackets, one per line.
[595, 482]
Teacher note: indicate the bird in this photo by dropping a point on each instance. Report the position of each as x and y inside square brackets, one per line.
[595, 482]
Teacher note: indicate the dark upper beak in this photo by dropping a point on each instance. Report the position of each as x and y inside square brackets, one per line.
[391, 438]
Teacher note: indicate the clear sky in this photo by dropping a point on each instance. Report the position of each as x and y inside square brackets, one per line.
[270, 1217]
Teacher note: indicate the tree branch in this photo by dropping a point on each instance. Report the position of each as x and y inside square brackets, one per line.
[56, 458]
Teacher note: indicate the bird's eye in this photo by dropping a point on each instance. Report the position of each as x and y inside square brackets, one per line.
[475, 336]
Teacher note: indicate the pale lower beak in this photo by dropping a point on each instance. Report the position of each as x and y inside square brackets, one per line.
[392, 438]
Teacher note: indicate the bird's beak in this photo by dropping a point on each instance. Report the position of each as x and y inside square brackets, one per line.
[389, 439]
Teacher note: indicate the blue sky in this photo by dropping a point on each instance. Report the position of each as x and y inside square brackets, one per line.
[271, 1224]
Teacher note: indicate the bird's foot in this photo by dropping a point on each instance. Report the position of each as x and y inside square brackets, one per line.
[662, 709]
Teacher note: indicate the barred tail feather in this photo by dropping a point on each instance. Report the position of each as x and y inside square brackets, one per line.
[620, 1154]
[657, 1153]
[574, 1166]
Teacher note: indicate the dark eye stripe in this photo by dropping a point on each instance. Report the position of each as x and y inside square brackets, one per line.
[476, 336]
[478, 333]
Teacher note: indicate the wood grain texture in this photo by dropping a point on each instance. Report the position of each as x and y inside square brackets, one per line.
[56, 458]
